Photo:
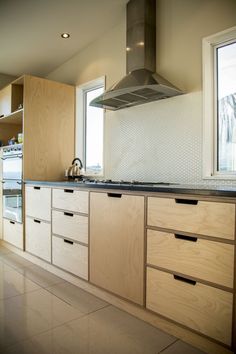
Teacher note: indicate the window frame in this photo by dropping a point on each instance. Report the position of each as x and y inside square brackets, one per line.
[80, 122]
[209, 148]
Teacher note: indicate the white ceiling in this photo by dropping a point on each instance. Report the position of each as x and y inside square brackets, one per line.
[30, 31]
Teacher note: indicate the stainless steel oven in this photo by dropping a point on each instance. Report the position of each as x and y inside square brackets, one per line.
[12, 182]
[12, 162]
[12, 200]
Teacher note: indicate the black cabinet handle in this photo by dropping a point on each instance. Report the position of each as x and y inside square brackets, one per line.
[114, 195]
[186, 201]
[12, 222]
[67, 241]
[68, 191]
[185, 280]
[186, 238]
[37, 188]
[68, 214]
[38, 221]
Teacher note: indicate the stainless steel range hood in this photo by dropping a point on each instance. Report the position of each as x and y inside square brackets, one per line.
[141, 84]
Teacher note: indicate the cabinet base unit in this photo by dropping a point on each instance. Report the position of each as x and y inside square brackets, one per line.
[68, 224]
[117, 244]
[70, 256]
[203, 308]
[13, 233]
[38, 238]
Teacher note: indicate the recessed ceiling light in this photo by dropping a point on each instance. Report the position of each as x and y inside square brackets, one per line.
[65, 35]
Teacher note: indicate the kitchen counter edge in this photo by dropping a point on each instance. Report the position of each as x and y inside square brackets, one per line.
[221, 191]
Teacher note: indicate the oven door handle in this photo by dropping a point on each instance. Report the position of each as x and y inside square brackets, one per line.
[12, 157]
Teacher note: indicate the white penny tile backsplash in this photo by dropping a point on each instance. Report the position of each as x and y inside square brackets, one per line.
[158, 141]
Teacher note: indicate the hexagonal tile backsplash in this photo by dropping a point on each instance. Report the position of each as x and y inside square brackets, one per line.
[158, 141]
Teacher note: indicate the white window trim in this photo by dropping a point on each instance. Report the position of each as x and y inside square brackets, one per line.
[80, 121]
[209, 103]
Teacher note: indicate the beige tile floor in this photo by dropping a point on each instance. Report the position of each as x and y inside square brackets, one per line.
[41, 313]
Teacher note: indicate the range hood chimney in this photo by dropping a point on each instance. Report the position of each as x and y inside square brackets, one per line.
[141, 84]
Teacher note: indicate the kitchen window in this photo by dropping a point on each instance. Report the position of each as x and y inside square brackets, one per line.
[219, 104]
[90, 127]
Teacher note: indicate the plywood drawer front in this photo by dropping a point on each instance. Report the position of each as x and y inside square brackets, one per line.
[70, 225]
[70, 199]
[203, 308]
[207, 260]
[70, 256]
[13, 233]
[204, 218]
[38, 238]
[38, 202]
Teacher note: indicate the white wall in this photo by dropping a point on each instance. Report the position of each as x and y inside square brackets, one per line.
[160, 140]
[5, 80]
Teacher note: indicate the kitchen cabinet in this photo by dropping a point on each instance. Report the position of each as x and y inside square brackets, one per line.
[38, 221]
[117, 244]
[70, 231]
[190, 263]
[11, 112]
[46, 120]
[195, 216]
[38, 202]
[11, 98]
[13, 233]
[70, 199]
[203, 308]
[48, 128]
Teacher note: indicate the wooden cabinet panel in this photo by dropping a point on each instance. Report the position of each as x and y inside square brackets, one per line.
[38, 202]
[5, 101]
[207, 260]
[70, 199]
[38, 238]
[203, 308]
[70, 225]
[10, 98]
[204, 218]
[117, 244]
[70, 256]
[48, 128]
[13, 233]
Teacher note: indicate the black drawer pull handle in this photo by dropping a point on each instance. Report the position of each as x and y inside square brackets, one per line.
[68, 191]
[67, 241]
[114, 195]
[186, 238]
[185, 280]
[186, 201]
[37, 188]
[38, 221]
[12, 222]
[68, 214]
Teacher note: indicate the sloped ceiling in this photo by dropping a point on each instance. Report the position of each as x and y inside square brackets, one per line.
[30, 31]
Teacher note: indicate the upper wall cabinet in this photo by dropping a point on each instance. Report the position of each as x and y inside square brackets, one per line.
[11, 98]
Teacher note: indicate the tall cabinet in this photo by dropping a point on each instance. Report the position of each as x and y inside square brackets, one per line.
[43, 111]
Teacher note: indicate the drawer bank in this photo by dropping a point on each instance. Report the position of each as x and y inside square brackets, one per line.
[166, 256]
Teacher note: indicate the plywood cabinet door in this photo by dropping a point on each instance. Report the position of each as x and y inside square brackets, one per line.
[117, 244]
[5, 101]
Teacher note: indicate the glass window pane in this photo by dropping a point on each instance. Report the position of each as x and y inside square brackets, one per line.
[94, 133]
[226, 108]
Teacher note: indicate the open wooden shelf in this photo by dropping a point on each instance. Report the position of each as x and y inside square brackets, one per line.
[13, 118]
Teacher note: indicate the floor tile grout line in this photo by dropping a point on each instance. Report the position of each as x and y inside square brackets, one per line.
[168, 346]
[52, 328]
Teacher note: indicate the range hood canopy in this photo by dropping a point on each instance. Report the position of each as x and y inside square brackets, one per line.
[141, 84]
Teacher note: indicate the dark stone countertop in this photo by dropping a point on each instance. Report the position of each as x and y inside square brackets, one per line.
[206, 190]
